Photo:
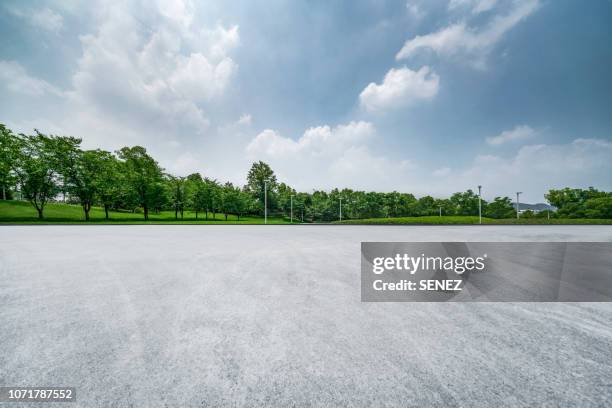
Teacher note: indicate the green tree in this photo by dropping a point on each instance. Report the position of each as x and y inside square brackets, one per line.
[500, 207]
[8, 160]
[260, 175]
[40, 161]
[600, 207]
[142, 175]
[196, 193]
[465, 203]
[86, 177]
[108, 179]
[570, 202]
[178, 195]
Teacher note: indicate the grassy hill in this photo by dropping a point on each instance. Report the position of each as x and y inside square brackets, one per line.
[22, 212]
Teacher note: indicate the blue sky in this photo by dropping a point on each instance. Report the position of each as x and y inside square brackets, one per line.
[418, 96]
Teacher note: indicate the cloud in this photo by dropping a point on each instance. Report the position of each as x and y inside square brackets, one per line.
[467, 43]
[400, 87]
[415, 11]
[327, 157]
[17, 80]
[317, 141]
[519, 132]
[245, 119]
[152, 72]
[44, 18]
[536, 168]
[477, 6]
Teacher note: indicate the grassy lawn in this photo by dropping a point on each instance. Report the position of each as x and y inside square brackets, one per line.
[463, 220]
[23, 212]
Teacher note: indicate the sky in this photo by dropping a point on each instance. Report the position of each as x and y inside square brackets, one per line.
[428, 97]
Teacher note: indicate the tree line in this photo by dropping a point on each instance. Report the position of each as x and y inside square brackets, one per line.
[43, 167]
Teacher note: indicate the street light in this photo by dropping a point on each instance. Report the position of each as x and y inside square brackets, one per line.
[479, 205]
[265, 202]
[517, 203]
[340, 208]
[292, 208]
[440, 211]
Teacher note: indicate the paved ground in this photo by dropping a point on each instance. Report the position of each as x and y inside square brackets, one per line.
[252, 315]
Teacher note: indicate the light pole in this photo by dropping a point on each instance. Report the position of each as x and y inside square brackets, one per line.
[292, 208]
[479, 205]
[265, 202]
[440, 211]
[517, 203]
[340, 208]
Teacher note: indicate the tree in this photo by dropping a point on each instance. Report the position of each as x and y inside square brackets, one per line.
[260, 175]
[571, 202]
[108, 179]
[230, 199]
[213, 194]
[40, 159]
[85, 177]
[600, 207]
[500, 207]
[284, 198]
[465, 203]
[177, 194]
[195, 192]
[8, 160]
[142, 175]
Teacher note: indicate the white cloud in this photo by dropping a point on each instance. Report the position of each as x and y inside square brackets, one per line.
[520, 132]
[317, 141]
[153, 79]
[326, 157]
[468, 43]
[537, 168]
[477, 6]
[16, 79]
[400, 87]
[245, 119]
[43, 18]
[414, 10]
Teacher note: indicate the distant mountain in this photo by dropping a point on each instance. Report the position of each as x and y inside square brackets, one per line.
[536, 207]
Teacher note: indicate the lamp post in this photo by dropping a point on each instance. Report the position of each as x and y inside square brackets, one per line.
[517, 203]
[292, 208]
[265, 202]
[440, 211]
[479, 205]
[340, 208]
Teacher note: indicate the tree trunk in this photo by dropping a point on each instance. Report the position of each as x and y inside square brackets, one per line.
[146, 212]
[3, 193]
[106, 211]
[182, 215]
[40, 213]
[225, 216]
[175, 213]
[86, 209]
[196, 215]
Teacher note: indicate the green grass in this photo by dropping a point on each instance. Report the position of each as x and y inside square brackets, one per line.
[463, 220]
[22, 212]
